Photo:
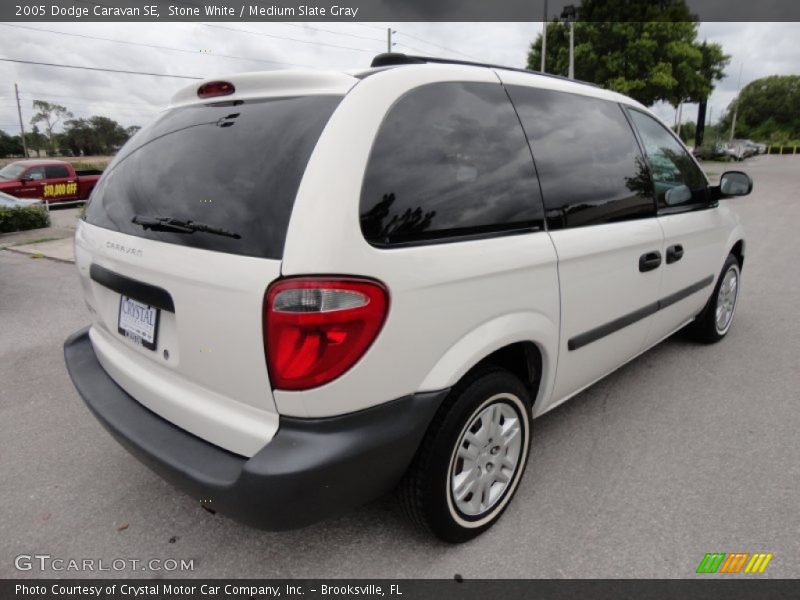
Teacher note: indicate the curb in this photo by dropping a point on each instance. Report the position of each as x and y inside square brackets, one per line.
[39, 255]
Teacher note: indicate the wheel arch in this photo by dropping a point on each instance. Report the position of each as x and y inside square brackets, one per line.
[523, 359]
[525, 344]
[738, 251]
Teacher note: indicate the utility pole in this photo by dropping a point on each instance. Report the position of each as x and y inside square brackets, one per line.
[736, 102]
[21, 126]
[544, 36]
[700, 129]
[570, 13]
[571, 73]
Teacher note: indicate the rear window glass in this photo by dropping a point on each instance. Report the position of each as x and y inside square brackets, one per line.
[56, 171]
[231, 167]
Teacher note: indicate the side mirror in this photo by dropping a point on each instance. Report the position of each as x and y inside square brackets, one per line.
[25, 179]
[734, 183]
[678, 195]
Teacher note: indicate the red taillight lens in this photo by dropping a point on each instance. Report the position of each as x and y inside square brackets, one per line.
[215, 88]
[316, 328]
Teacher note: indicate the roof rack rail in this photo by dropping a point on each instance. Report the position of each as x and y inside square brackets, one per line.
[391, 59]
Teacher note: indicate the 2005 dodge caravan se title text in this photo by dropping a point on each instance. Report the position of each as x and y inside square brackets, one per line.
[310, 288]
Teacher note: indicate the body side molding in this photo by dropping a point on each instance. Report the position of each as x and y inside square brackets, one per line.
[595, 334]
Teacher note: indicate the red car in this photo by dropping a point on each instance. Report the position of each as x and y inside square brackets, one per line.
[50, 180]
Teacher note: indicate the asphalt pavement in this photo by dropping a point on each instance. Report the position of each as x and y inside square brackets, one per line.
[686, 450]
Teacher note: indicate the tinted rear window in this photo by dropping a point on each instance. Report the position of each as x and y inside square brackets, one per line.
[450, 160]
[231, 167]
[56, 171]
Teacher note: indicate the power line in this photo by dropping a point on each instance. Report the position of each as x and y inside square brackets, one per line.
[94, 100]
[156, 46]
[412, 48]
[280, 37]
[353, 35]
[424, 41]
[83, 106]
[370, 26]
[122, 115]
[44, 64]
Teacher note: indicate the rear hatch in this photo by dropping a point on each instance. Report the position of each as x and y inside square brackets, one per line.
[183, 235]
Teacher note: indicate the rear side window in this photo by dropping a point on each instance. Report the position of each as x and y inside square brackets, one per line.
[231, 167]
[35, 173]
[450, 160]
[679, 182]
[56, 172]
[587, 156]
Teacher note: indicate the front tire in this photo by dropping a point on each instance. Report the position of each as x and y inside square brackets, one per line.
[472, 458]
[716, 319]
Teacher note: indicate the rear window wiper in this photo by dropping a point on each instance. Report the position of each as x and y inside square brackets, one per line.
[179, 226]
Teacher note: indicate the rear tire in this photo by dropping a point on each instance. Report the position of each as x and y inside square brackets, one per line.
[716, 319]
[472, 458]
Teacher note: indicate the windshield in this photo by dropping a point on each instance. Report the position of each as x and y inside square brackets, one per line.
[12, 171]
[234, 167]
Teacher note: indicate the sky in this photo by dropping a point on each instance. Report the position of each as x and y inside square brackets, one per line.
[214, 49]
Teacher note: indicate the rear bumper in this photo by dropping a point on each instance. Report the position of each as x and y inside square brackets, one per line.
[312, 469]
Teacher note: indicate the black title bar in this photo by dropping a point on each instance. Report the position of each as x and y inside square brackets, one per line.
[709, 587]
[359, 10]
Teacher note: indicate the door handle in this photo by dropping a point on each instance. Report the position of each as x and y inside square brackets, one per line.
[649, 261]
[674, 253]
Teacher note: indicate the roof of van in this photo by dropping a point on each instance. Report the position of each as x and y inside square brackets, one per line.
[290, 82]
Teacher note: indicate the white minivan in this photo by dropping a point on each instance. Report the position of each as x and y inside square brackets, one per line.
[308, 289]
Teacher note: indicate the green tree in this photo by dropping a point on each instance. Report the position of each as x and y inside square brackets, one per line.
[109, 134]
[49, 114]
[646, 49]
[687, 131]
[79, 138]
[10, 145]
[95, 135]
[768, 110]
[712, 69]
[36, 140]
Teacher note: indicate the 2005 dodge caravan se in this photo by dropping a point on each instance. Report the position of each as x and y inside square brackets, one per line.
[309, 288]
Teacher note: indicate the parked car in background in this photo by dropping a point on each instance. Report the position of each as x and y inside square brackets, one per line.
[352, 281]
[51, 180]
[8, 201]
[757, 147]
[741, 149]
[715, 151]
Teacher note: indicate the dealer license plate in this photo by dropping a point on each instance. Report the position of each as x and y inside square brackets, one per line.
[138, 322]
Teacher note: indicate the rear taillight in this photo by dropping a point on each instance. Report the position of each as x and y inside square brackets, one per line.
[316, 328]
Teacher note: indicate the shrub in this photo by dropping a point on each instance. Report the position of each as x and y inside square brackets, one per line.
[20, 219]
[706, 152]
[78, 166]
